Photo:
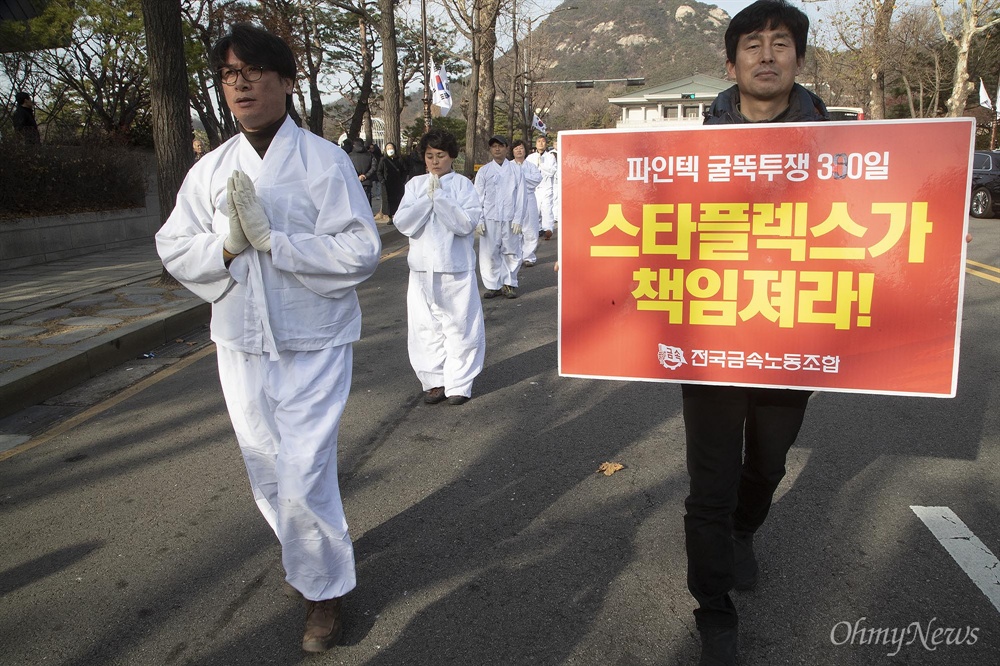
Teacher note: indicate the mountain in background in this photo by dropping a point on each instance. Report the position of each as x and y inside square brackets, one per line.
[660, 40]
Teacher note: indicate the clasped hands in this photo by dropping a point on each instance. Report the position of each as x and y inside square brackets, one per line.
[248, 224]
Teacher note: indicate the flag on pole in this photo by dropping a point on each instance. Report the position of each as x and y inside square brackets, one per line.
[439, 83]
[984, 99]
[536, 123]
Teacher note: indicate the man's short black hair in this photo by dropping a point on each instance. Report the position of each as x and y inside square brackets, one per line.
[255, 46]
[768, 15]
[21, 97]
[439, 139]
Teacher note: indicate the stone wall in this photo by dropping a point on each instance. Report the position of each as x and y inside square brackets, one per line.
[37, 240]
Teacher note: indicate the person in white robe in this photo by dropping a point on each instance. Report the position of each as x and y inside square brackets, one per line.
[545, 193]
[530, 227]
[501, 194]
[274, 229]
[446, 337]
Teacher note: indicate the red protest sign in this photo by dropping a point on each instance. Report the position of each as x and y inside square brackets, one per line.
[820, 255]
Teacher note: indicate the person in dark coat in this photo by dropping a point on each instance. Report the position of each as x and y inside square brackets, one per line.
[393, 174]
[25, 126]
[415, 162]
[737, 437]
[364, 164]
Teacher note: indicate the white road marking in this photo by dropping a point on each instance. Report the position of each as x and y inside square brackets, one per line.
[976, 560]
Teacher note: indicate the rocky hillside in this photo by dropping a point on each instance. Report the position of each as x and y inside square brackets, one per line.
[659, 40]
[656, 39]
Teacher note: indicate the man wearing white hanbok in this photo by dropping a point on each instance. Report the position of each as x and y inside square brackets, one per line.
[529, 228]
[501, 194]
[274, 229]
[446, 337]
[545, 193]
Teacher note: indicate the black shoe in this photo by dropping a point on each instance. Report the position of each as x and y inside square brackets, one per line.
[745, 570]
[457, 399]
[509, 291]
[491, 293]
[718, 646]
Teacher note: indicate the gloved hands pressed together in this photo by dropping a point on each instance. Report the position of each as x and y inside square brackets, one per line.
[433, 184]
[253, 220]
[237, 241]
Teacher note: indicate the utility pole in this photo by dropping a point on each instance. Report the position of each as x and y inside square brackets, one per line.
[512, 105]
[427, 75]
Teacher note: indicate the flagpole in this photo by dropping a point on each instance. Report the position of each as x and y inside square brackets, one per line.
[996, 115]
[427, 76]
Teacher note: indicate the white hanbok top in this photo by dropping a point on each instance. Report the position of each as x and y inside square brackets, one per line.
[301, 295]
[500, 191]
[547, 164]
[440, 229]
[532, 177]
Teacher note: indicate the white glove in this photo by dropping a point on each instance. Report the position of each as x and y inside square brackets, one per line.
[237, 241]
[433, 183]
[252, 217]
[516, 228]
[480, 229]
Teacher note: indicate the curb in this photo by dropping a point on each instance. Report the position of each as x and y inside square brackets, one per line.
[36, 382]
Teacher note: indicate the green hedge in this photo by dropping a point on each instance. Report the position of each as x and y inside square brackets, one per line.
[37, 180]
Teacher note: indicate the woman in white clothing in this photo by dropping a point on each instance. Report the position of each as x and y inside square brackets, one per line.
[530, 226]
[446, 337]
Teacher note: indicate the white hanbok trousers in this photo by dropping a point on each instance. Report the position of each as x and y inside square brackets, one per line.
[446, 336]
[499, 255]
[286, 414]
[545, 200]
[529, 239]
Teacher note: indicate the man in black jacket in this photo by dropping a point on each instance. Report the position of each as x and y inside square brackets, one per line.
[364, 164]
[25, 125]
[731, 491]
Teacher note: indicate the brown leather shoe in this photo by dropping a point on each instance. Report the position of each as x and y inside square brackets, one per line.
[323, 626]
[548, 234]
[435, 395]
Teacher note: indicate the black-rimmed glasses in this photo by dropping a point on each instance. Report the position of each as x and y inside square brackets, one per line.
[250, 73]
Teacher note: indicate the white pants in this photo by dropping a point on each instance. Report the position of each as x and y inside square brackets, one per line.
[286, 414]
[446, 336]
[529, 239]
[545, 198]
[499, 255]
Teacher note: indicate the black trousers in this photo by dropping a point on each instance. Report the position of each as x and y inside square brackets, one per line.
[737, 440]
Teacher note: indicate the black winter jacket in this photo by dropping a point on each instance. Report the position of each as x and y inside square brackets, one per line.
[803, 107]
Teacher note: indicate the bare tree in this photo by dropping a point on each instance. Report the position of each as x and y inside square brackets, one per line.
[971, 20]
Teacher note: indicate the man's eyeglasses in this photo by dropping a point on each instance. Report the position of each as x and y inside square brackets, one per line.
[250, 74]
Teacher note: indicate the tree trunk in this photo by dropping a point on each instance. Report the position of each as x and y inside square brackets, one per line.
[391, 97]
[473, 111]
[487, 83]
[960, 86]
[366, 85]
[168, 83]
[880, 42]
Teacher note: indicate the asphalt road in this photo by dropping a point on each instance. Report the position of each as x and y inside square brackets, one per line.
[483, 533]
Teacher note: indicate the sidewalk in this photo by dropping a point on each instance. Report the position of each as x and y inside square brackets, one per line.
[64, 322]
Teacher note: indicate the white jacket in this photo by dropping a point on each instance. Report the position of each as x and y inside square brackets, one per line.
[440, 229]
[324, 242]
[500, 191]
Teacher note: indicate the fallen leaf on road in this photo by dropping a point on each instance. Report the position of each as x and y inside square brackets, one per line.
[610, 468]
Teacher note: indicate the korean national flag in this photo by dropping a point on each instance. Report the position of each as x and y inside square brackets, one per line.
[537, 124]
[439, 83]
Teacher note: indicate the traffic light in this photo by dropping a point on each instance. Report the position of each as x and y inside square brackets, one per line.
[687, 95]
